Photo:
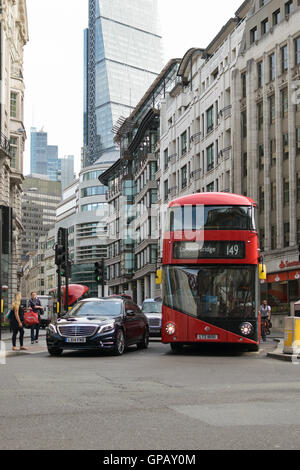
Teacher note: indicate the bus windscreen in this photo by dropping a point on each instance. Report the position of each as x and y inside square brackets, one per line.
[211, 218]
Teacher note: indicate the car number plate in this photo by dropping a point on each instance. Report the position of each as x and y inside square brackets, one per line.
[208, 337]
[75, 340]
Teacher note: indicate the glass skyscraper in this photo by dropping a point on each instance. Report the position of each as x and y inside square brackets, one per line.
[123, 56]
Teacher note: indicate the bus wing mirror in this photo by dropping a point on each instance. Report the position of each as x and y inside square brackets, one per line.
[158, 278]
[262, 272]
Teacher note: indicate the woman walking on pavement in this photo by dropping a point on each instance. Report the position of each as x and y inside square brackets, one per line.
[16, 322]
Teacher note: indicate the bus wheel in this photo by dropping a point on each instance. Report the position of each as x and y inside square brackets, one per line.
[176, 347]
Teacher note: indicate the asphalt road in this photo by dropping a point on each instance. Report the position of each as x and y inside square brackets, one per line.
[149, 400]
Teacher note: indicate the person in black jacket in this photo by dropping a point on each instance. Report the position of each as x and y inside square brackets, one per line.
[16, 322]
[36, 307]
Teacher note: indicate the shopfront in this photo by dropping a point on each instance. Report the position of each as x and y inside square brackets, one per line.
[282, 288]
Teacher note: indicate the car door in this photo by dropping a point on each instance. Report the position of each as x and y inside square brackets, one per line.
[141, 322]
[131, 322]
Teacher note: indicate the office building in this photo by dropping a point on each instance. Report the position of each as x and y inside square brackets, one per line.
[123, 55]
[133, 195]
[40, 199]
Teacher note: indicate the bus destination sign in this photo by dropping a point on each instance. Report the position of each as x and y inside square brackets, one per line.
[209, 250]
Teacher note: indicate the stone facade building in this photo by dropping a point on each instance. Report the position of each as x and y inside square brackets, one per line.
[14, 36]
[266, 139]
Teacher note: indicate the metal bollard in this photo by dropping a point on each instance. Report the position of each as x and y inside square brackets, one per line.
[2, 353]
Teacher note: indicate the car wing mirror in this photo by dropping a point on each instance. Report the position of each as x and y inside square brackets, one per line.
[130, 313]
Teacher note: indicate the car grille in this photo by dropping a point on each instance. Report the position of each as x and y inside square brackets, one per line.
[77, 330]
[154, 322]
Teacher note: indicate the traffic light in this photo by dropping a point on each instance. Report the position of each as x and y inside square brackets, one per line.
[62, 253]
[99, 272]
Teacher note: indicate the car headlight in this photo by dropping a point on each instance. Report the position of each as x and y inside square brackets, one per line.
[107, 327]
[246, 329]
[52, 328]
[170, 328]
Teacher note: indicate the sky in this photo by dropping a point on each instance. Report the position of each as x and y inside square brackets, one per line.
[53, 60]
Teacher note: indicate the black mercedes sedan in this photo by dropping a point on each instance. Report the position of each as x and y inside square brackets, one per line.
[99, 324]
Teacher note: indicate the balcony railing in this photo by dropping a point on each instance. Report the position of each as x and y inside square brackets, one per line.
[5, 144]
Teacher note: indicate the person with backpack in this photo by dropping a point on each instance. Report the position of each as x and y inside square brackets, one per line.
[36, 307]
[16, 319]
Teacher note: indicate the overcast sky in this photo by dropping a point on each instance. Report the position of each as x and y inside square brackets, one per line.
[53, 63]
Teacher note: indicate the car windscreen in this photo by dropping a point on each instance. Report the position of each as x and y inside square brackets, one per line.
[152, 307]
[112, 308]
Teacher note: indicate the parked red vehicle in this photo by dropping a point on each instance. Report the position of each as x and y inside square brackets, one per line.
[210, 272]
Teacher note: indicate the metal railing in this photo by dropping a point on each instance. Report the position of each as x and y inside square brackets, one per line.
[4, 143]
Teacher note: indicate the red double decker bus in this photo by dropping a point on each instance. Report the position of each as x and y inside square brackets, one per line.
[211, 271]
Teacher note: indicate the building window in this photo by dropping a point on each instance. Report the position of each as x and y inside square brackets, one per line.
[297, 51]
[244, 84]
[260, 115]
[184, 177]
[273, 196]
[210, 157]
[102, 206]
[93, 191]
[166, 190]
[262, 239]
[261, 156]
[272, 109]
[298, 187]
[260, 74]
[166, 158]
[253, 35]
[13, 151]
[210, 187]
[210, 119]
[285, 143]
[183, 143]
[289, 7]
[244, 124]
[298, 231]
[261, 199]
[286, 234]
[286, 192]
[276, 17]
[13, 105]
[265, 26]
[245, 164]
[273, 151]
[273, 237]
[284, 59]
[272, 67]
[298, 141]
[284, 103]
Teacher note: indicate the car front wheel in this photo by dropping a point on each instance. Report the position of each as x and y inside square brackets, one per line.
[119, 347]
[55, 352]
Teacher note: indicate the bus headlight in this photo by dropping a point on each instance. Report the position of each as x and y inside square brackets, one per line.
[170, 328]
[246, 329]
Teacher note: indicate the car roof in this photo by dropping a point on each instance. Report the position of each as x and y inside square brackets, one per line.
[104, 299]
